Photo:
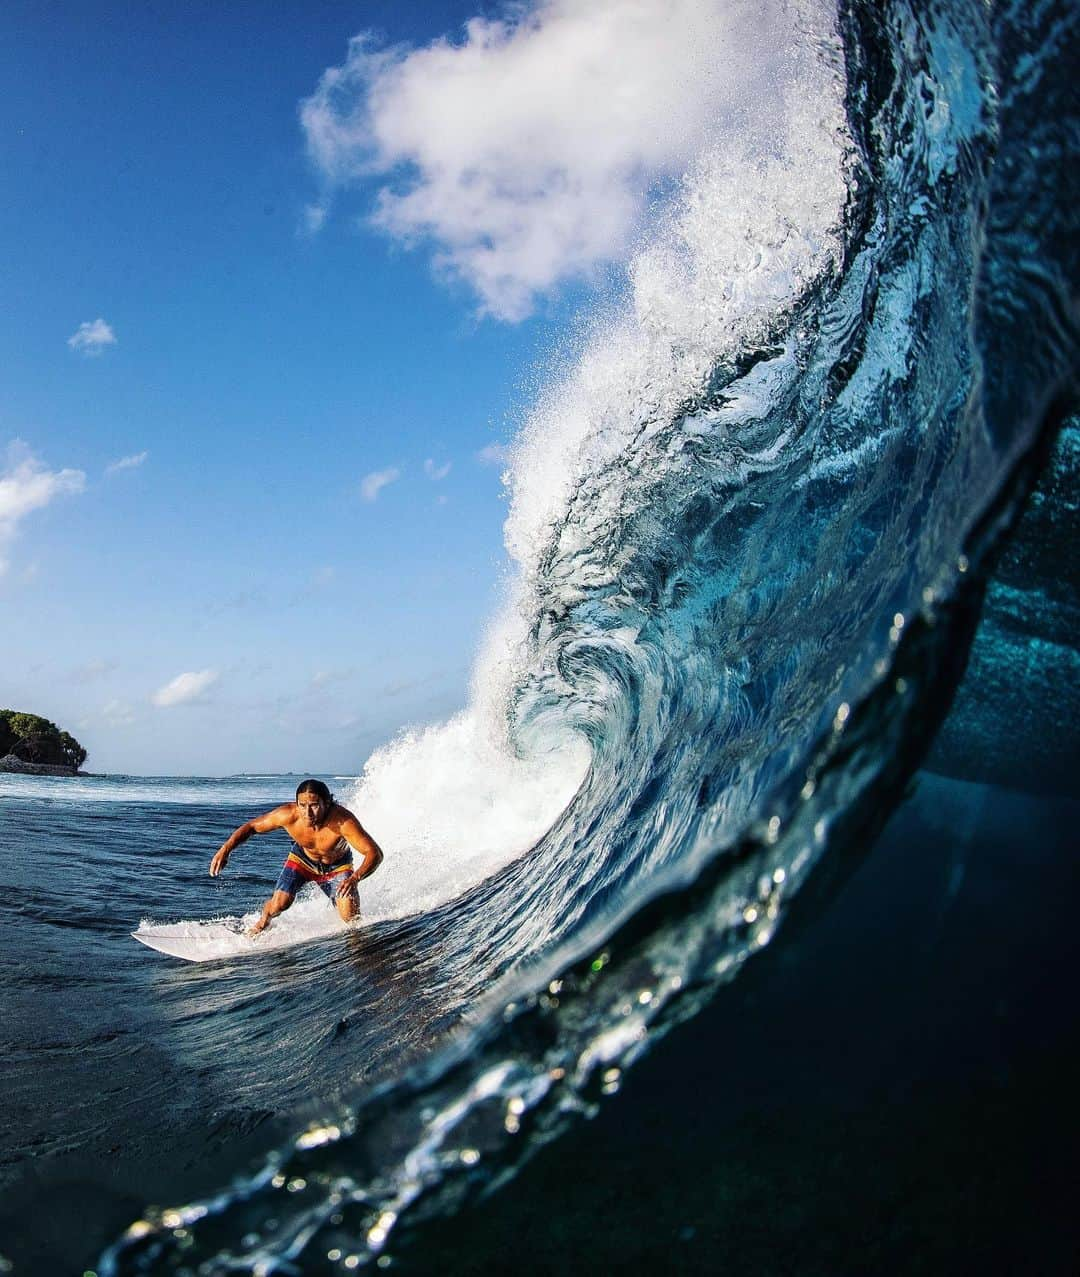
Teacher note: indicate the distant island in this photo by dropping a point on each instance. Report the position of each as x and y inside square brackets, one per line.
[32, 745]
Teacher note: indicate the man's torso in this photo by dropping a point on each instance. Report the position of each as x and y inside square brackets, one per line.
[324, 845]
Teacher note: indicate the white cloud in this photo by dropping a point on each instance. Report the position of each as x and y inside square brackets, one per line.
[92, 671]
[117, 714]
[185, 688]
[315, 218]
[372, 484]
[26, 485]
[436, 472]
[324, 678]
[92, 337]
[495, 454]
[526, 151]
[126, 463]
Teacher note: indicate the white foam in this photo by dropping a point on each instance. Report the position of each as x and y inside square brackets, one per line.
[755, 224]
[256, 791]
[451, 804]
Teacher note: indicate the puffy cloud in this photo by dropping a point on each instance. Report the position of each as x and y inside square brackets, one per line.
[92, 337]
[314, 218]
[126, 463]
[527, 150]
[27, 485]
[436, 472]
[325, 678]
[185, 688]
[372, 484]
[495, 454]
[117, 713]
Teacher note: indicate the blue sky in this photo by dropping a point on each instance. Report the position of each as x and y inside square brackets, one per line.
[268, 297]
[156, 177]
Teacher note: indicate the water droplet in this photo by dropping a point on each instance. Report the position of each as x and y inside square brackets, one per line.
[317, 1136]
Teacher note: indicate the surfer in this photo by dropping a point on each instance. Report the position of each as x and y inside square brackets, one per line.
[325, 834]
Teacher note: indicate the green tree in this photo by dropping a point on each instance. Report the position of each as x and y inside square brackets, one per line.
[37, 740]
[74, 754]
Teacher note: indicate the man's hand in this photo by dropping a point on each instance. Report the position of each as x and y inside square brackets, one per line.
[348, 883]
[219, 862]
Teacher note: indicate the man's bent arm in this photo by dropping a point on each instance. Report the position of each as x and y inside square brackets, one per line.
[360, 840]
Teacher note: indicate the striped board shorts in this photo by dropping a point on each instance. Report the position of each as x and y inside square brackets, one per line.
[298, 870]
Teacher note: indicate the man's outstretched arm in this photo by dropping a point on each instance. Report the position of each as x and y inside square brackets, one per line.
[260, 825]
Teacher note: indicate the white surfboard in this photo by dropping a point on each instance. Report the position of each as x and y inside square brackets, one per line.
[196, 941]
[219, 939]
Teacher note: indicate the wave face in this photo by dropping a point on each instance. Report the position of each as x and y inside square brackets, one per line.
[751, 517]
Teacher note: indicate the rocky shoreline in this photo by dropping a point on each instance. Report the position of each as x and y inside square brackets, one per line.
[9, 763]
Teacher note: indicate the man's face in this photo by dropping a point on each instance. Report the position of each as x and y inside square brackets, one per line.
[312, 809]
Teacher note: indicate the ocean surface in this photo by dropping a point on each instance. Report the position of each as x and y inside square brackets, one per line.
[697, 946]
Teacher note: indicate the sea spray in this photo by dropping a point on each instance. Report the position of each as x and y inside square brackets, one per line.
[454, 805]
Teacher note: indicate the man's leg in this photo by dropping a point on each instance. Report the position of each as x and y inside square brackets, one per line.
[348, 905]
[277, 903]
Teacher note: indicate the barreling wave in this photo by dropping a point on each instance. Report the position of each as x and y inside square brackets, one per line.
[751, 522]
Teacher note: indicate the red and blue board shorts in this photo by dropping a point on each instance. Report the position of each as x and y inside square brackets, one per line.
[298, 870]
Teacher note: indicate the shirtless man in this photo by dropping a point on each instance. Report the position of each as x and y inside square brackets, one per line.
[325, 835]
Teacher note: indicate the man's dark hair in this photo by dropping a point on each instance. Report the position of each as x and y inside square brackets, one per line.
[313, 786]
